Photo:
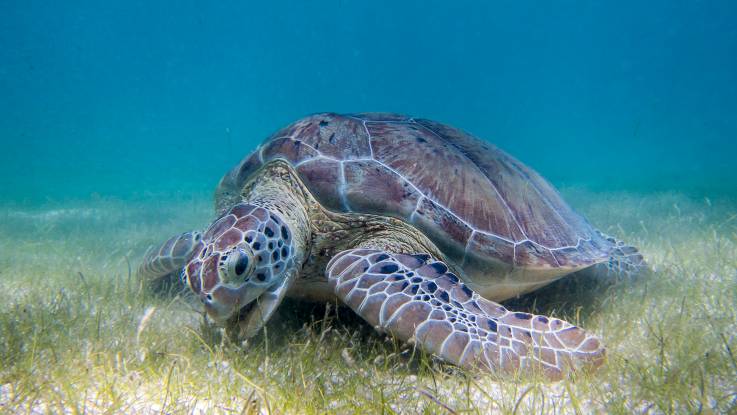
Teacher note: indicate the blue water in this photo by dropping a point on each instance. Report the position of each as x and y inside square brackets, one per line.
[126, 98]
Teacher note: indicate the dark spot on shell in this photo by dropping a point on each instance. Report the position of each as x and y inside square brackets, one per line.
[452, 277]
[275, 256]
[256, 245]
[439, 267]
[271, 245]
[284, 251]
[444, 297]
[414, 289]
[381, 257]
[432, 287]
[389, 268]
[261, 277]
[274, 218]
[542, 319]
[416, 280]
[404, 285]
[284, 233]
[425, 297]
[249, 238]
[457, 304]
[447, 308]
[280, 243]
[269, 232]
[523, 316]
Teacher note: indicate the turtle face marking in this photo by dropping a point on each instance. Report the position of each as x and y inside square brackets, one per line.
[246, 252]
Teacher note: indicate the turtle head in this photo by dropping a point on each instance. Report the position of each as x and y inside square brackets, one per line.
[247, 253]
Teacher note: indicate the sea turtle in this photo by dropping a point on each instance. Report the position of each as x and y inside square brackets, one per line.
[415, 225]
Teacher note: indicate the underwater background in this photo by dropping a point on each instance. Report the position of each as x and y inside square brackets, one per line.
[118, 118]
[132, 98]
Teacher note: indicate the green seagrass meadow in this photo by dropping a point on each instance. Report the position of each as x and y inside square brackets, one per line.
[80, 334]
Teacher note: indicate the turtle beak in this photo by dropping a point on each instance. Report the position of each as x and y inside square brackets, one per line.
[219, 304]
[225, 302]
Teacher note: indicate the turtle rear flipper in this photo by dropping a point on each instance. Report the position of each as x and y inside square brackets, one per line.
[625, 261]
[162, 265]
[416, 299]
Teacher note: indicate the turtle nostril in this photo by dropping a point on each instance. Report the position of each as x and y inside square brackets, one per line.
[209, 297]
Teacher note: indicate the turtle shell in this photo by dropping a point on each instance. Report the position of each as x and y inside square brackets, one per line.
[478, 204]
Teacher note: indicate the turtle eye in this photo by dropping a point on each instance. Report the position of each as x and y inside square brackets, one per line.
[241, 264]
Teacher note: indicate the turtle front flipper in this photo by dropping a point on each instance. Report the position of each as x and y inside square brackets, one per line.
[416, 299]
[162, 264]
